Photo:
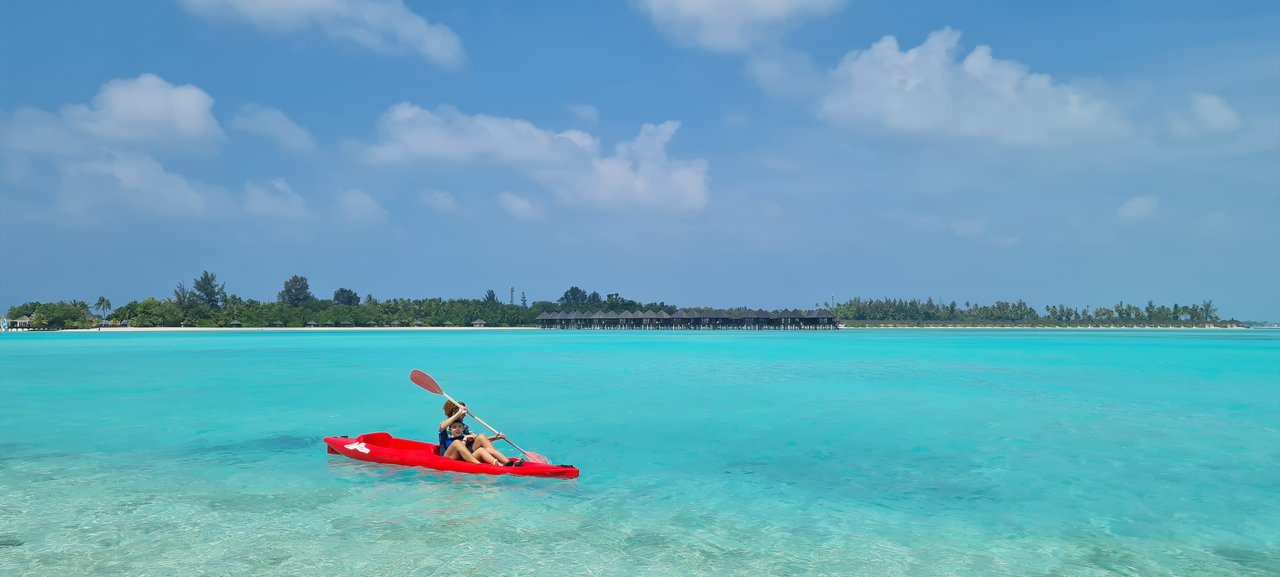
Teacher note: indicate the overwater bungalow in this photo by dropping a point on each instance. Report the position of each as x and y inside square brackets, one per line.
[820, 319]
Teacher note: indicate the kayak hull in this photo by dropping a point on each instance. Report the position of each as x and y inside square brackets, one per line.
[388, 450]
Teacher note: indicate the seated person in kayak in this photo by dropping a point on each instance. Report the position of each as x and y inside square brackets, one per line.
[458, 442]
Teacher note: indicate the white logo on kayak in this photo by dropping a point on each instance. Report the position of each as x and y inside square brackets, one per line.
[358, 447]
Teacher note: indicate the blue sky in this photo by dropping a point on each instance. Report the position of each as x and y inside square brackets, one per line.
[763, 153]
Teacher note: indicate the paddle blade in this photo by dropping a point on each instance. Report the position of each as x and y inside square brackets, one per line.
[537, 458]
[425, 381]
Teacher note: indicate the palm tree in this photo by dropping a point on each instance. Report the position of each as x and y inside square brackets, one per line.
[102, 306]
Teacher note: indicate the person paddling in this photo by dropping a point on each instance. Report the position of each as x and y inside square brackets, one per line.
[458, 442]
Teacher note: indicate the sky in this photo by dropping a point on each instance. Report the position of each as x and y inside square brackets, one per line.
[762, 153]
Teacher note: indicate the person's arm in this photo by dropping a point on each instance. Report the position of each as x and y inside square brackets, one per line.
[449, 421]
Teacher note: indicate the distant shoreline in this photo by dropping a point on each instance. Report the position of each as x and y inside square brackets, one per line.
[258, 329]
[1041, 327]
[483, 329]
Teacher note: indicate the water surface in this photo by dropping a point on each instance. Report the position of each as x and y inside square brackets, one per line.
[859, 452]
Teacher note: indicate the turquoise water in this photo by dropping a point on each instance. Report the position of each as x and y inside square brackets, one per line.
[873, 452]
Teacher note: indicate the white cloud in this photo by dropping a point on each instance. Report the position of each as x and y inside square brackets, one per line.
[274, 199]
[570, 163]
[359, 207]
[380, 25]
[731, 25]
[518, 207]
[1208, 115]
[1138, 208]
[146, 110]
[99, 150]
[273, 124]
[586, 113]
[438, 200]
[929, 91]
[131, 179]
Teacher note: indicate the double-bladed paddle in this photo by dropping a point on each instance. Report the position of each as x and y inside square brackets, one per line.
[425, 381]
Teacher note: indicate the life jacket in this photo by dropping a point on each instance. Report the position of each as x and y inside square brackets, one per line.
[446, 439]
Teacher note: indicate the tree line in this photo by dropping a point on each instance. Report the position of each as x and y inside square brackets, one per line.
[1020, 313]
[206, 303]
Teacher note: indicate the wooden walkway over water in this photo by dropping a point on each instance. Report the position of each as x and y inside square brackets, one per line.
[757, 320]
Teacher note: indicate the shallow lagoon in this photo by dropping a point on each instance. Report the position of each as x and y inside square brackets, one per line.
[872, 452]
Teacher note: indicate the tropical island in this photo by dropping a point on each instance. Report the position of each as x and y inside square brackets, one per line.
[208, 304]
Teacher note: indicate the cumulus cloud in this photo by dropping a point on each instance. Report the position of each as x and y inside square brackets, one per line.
[586, 113]
[638, 174]
[380, 25]
[1208, 115]
[358, 207]
[273, 124]
[518, 207]
[274, 199]
[731, 25]
[131, 179]
[146, 110]
[1138, 208]
[101, 150]
[438, 200]
[930, 91]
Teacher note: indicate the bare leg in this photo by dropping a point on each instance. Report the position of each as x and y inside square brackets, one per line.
[458, 450]
[484, 455]
[483, 442]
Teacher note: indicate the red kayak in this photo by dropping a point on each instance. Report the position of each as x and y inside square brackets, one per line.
[383, 448]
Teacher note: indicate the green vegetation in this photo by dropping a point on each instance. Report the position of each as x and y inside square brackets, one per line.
[916, 312]
[207, 304]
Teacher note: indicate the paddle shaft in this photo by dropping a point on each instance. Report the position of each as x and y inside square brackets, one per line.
[486, 425]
